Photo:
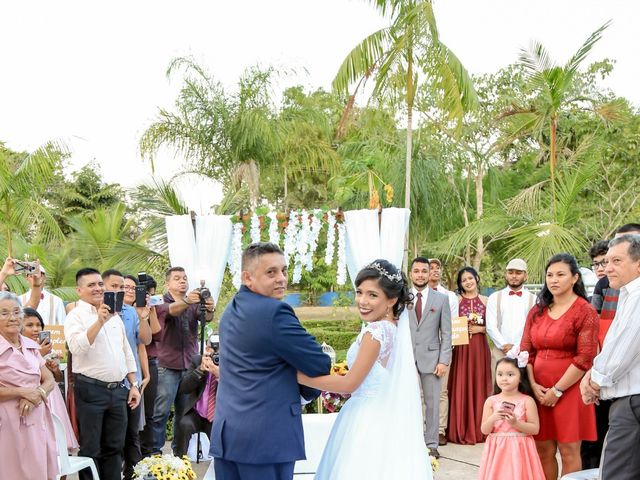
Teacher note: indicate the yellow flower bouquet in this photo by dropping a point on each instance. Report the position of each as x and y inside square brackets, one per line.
[164, 467]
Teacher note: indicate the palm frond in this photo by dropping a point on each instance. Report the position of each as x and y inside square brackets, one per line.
[574, 62]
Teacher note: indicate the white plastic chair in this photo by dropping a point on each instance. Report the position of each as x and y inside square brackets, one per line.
[70, 464]
[592, 474]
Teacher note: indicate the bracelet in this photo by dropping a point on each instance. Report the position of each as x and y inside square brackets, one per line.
[43, 392]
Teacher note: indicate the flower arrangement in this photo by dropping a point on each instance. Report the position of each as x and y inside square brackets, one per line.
[333, 402]
[164, 467]
[475, 319]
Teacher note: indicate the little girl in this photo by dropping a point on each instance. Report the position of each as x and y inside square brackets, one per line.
[510, 418]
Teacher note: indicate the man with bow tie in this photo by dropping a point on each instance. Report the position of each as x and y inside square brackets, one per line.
[507, 311]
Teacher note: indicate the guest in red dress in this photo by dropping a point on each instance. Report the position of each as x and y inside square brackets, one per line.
[561, 336]
[470, 377]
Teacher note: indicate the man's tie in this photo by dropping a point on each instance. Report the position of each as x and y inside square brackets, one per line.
[511, 292]
[419, 307]
[211, 401]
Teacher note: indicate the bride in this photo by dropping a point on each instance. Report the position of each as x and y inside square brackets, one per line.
[378, 433]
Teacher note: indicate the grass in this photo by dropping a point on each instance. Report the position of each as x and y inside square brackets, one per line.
[336, 326]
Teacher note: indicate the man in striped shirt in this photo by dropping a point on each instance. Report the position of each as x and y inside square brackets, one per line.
[616, 370]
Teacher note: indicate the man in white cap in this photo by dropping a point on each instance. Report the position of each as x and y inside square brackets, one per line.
[507, 311]
[51, 307]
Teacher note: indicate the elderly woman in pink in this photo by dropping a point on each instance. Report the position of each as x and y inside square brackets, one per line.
[27, 438]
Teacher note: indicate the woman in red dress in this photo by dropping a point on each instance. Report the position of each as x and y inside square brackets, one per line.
[561, 336]
[470, 377]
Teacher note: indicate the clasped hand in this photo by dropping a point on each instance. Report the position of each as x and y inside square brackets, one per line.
[544, 395]
[501, 414]
[589, 390]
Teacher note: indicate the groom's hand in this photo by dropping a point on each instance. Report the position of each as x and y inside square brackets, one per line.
[440, 370]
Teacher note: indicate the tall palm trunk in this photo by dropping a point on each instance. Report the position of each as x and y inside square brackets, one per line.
[407, 174]
[552, 162]
[477, 258]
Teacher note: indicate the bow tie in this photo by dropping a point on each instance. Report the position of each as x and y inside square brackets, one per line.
[511, 292]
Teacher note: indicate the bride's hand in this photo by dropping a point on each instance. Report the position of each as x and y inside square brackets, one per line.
[302, 378]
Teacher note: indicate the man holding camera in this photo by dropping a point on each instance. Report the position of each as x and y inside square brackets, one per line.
[102, 360]
[178, 343]
[201, 385]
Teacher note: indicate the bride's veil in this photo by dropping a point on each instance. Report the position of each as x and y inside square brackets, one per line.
[402, 406]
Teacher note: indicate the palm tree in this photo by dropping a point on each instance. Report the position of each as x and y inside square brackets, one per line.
[226, 137]
[24, 178]
[397, 56]
[556, 93]
[407, 48]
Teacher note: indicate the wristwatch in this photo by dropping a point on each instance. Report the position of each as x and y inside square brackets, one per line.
[557, 392]
[136, 384]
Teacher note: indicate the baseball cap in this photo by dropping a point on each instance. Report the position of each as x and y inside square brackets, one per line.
[517, 264]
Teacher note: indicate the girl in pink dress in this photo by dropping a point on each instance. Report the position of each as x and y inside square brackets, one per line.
[510, 418]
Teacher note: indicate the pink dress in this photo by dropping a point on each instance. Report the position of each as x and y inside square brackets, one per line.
[508, 453]
[28, 444]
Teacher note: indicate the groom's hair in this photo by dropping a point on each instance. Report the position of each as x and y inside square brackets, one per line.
[256, 250]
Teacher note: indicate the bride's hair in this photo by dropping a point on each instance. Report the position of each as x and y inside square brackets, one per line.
[392, 281]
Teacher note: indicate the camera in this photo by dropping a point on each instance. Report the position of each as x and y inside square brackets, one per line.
[214, 343]
[204, 292]
[24, 266]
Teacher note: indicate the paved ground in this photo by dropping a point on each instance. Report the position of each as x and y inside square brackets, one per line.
[458, 462]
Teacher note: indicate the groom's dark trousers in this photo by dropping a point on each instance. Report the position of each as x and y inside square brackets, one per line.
[257, 429]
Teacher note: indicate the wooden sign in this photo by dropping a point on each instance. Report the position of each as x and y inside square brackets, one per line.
[459, 331]
[58, 341]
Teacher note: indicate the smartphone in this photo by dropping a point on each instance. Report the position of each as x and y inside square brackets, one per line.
[142, 279]
[114, 301]
[141, 295]
[508, 407]
[109, 300]
[44, 336]
[156, 300]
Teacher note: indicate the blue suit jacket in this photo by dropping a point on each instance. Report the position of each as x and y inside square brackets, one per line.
[258, 412]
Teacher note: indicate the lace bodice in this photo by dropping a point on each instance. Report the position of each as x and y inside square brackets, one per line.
[385, 333]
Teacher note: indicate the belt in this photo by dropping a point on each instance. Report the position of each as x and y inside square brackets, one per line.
[93, 381]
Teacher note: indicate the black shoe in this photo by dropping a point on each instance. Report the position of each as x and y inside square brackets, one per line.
[434, 453]
[442, 440]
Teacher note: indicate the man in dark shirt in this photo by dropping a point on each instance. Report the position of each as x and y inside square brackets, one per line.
[178, 343]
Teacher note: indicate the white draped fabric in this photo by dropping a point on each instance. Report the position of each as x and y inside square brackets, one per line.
[213, 242]
[203, 255]
[367, 239]
[363, 239]
[182, 244]
[393, 227]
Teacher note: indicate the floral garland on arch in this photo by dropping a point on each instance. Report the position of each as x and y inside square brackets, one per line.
[301, 229]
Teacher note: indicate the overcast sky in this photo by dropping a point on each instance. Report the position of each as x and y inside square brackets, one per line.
[93, 73]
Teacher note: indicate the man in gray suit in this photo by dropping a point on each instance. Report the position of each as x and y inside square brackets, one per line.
[430, 322]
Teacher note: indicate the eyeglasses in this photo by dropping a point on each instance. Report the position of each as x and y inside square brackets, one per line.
[6, 315]
[129, 288]
[597, 265]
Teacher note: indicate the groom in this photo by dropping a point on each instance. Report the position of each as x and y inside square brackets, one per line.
[430, 323]
[257, 428]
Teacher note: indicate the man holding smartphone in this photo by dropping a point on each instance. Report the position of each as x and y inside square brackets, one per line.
[102, 360]
[138, 335]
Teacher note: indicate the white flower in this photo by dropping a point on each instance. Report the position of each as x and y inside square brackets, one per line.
[341, 277]
[302, 246]
[274, 233]
[331, 237]
[235, 255]
[255, 228]
[290, 236]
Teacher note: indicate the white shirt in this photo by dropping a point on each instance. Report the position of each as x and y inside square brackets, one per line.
[109, 358]
[50, 308]
[513, 312]
[617, 367]
[453, 300]
[425, 295]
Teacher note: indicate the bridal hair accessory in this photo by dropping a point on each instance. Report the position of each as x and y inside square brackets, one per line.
[521, 357]
[396, 277]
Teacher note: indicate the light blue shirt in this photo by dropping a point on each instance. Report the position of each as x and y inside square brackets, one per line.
[131, 322]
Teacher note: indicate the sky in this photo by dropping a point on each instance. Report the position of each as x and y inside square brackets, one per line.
[92, 74]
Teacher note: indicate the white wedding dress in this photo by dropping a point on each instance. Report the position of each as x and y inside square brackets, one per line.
[378, 432]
